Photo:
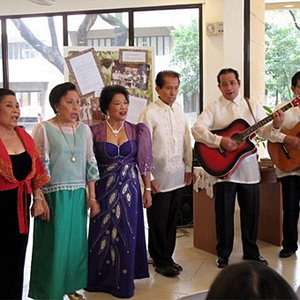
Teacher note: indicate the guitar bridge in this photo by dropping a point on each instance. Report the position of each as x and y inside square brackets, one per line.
[222, 151]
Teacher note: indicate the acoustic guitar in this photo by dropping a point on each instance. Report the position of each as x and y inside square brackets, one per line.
[284, 156]
[221, 163]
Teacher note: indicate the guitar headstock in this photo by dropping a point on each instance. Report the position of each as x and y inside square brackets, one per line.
[296, 101]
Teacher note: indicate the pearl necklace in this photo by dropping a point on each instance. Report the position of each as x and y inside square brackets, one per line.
[73, 157]
[115, 131]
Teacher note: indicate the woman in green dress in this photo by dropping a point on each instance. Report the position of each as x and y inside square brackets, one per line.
[59, 258]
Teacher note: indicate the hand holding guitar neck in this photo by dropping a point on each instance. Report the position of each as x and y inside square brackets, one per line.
[278, 118]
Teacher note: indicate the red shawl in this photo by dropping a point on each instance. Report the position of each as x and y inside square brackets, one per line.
[36, 178]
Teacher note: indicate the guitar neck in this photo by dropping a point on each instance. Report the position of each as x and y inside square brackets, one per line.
[245, 133]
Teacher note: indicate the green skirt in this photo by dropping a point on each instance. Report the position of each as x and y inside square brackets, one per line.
[59, 257]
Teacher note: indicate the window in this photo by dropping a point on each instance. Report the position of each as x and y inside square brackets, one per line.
[30, 98]
[101, 33]
[160, 44]
[170, 31]
[282, 54]
[21, 51]
[35, 65]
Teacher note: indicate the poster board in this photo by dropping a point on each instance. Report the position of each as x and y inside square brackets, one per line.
[90, 69]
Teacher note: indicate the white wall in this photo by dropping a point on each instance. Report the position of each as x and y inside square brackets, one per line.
[234, 36]
[213, 49]
[257, 50]
[223, 51]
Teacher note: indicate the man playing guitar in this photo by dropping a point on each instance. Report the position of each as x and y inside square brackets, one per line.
[285, 153]
[244, 181]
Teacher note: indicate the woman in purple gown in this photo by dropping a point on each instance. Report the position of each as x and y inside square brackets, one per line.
[117, 248]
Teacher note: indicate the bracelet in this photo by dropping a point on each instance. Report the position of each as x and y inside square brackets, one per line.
[148, 189]
[37, 198]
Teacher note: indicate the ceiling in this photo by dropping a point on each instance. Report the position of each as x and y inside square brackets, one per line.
[282, 4]
[270, 4]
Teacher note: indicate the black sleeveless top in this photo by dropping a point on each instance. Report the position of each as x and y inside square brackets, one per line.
[21, 164]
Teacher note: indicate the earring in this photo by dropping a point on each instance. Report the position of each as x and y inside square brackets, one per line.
[57, 113]
[103, 117]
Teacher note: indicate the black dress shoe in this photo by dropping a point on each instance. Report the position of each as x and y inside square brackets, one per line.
[174, 265]
[177, 267]
[286, 253]
[168, 271]
[222, 262]
[258, 258]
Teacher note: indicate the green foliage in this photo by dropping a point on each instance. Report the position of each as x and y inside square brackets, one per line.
[267, 109]
[185, 55]
[282, 56]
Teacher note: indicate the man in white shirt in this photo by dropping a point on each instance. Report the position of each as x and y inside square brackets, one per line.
[172, 170]
[244, 181]
[290, 180]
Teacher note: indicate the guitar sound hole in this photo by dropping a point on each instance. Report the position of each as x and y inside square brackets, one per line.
[237, 138]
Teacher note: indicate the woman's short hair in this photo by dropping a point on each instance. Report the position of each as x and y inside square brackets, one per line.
[108, 93]
[250, 280]
[6, 92]
[59, 91]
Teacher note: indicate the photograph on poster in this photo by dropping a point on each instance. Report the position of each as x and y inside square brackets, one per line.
[90, 112]
[130, 75]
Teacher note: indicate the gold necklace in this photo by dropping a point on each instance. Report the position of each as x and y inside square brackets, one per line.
[73, 158]
[115, 131]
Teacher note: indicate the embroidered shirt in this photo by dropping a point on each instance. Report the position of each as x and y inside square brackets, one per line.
[56, 153]
[171, 143]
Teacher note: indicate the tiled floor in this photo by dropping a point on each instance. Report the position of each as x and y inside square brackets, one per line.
[199, 270]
